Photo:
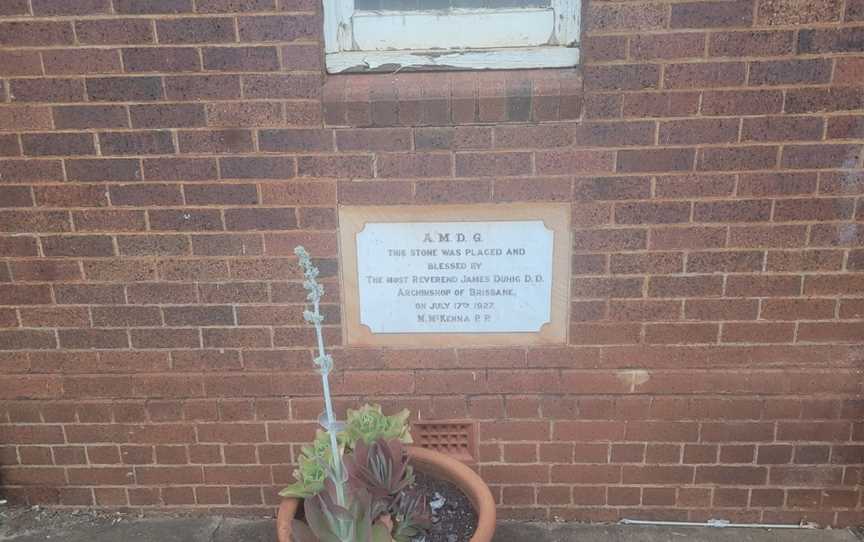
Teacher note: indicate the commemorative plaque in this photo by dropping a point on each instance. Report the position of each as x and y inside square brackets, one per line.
[491, 274]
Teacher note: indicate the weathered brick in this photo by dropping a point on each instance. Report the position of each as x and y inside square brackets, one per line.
[161, 59]
[751, 43]
[277, 28]
[35, 33]
[202, 87]
[90, 116]
[46, 90]
[711, 14]
[114, 31]
[248, 59]
[196, 30]
[52, 144]
[135, 143]
[121, 89]
[156, 6]
[81, 62]
[215, 141]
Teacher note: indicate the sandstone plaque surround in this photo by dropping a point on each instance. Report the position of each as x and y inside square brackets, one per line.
[442, 276]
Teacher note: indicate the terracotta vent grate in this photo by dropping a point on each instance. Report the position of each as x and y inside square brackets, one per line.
[457, 439]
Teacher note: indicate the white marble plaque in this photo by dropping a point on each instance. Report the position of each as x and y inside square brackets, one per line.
[455, 277]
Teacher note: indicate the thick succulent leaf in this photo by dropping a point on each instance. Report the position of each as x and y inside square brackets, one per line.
[300, 532]
[380, 534]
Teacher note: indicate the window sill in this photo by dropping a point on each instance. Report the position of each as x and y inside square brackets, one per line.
[452, 98]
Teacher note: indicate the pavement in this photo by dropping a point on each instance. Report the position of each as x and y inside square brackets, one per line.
[217, 529]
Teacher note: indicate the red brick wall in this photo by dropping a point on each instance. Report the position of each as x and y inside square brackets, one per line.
[161, 159]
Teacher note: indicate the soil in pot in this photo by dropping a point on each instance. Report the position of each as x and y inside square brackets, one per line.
[455, 519]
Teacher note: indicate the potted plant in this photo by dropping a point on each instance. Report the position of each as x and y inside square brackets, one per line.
[355, 480]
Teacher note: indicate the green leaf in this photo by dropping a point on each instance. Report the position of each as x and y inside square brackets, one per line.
[380, 534]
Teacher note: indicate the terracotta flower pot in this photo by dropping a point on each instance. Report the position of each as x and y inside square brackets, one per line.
[438, 466]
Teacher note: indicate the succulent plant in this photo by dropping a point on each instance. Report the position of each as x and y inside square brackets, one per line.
[410, 516]
[354, 480]
[369, 424]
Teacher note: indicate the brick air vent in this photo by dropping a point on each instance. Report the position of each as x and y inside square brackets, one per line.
[457, 439]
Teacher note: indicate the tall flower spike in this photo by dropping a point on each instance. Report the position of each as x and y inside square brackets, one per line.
[323, 361]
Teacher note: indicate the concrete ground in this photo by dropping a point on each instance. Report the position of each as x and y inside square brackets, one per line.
[214, 529]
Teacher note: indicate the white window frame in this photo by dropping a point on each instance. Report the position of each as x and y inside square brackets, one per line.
[507, 38]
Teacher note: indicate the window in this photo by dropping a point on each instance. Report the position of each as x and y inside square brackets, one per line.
[365, 35]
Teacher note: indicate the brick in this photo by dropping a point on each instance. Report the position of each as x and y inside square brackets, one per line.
[25, 117]
[855, 11]
[185, 220]
[847, 71]
[119, 316]
[161, 59]
[343, 166]
[86, 116]
[667, 46]
[727, 261]
[134, 143]
[721, 309]
[606, 287]
[602, 334]
[295, 140]
[296, 85]
[845, 127]
[167, 116]
[227, 245]
[681, 333]
[820, 156]
[661, 160]
[180, 169]
[537, 189]
[165, 338]
[809, 100]
[250, 59]
[794, 12]
[196, 30]
[711, 14]
[414, 165]
[260, 219]
[80, 246]
[114, 31]
[783, 128]
[609, 240]
[215, 194]
[134, 7]
[81, 62]
[34, 221]
[112, 170]
[15, 196]
[837, 235]
[732, 211]
[18, 246]
[751, 43]
[834, 284]
[20, 63]
[682, 132]
[689, 186]
[612, 17]
[704, 75]
[233, 6]
[654, 262]
[763, 286]
[652, 213]
[92, 338]
[121, 89]
[215, 141]
[758, 333]
[277, 28]
[257, 167]
[622, 77]
[840, 40]
[808, 260]
[89, 294]
[46, 90]
[35, 33]
[44, 271]
[742, 102]
[49, 144]
[202, 87]
[822, 209]
[790, 72]
[604, 48]
[689, 286]
[245, 114]
[569, 162]
[660, 104]
[614, 134]
[15, 7]
[9, 145]
[145, 195]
